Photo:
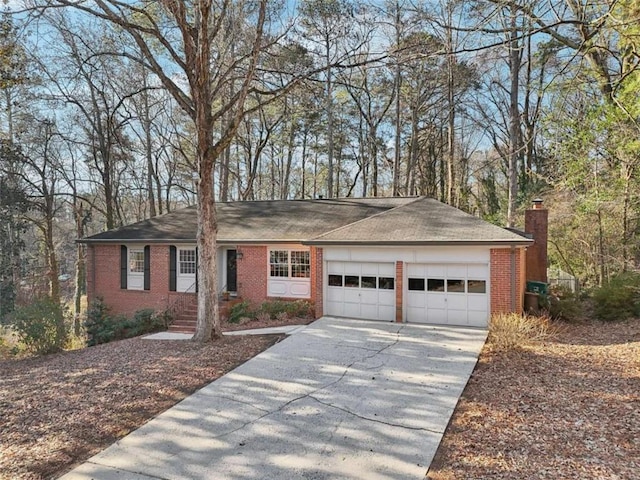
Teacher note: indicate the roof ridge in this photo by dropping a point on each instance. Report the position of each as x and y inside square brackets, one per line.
[415, 199]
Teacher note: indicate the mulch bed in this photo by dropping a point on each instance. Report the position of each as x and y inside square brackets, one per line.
[57, 411]
[568, 408]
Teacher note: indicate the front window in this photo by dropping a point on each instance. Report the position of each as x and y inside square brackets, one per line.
[289, 264]
[187, 262]
[136, 261]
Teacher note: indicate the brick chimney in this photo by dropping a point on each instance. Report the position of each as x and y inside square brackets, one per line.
[536, 222]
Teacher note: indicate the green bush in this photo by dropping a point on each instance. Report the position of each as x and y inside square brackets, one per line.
[41, 326]
[103, 327]
[297, 308]
[563, 304]
[619, 299]
[238, 311]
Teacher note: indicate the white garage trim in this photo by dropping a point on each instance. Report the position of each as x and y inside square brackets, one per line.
[360, 290]
[447, 293]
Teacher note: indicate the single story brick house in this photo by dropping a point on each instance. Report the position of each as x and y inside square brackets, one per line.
[389, 259]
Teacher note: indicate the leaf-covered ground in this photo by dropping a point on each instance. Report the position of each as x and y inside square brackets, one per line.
[58, 410]
[567, 408]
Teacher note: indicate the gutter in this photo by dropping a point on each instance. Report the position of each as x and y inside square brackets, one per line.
[495, 243]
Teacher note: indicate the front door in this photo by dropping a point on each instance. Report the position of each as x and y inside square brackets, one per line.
[232, 271]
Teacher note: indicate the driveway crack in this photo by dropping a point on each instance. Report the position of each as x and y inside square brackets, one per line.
[375, 420]
[323, 387]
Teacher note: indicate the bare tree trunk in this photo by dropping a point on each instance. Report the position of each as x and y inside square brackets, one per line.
[329, 107]
[514, 118]
[80, 265]
[451, 110]
[397, 87]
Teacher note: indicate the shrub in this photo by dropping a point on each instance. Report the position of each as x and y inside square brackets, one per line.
[7, 341]
[41, 326]
[238, 311]
[619, 299]
[512, 330]
[297, 308]
[563, 304]
[103, 327]
[263, 317]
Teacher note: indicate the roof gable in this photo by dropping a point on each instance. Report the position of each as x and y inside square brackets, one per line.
[422, 221]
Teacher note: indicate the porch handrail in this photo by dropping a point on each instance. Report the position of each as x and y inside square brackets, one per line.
[181, 301]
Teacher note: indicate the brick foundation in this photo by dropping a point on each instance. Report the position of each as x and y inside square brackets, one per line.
[399, 291]
[502, 290]
[252, 273]
[317, 272]
[104, 280]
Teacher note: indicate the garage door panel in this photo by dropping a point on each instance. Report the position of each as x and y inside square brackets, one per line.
[436, 315]
[457, 301]
[387, 312]
[414, 270]
[436, 300]
[436, 271]
[477, 271]
[369, 269]
[477, 302]
[456, 271]
[335, 267]
[416, 299]
[457, 317]
[360, 295]
[335, 294]
[477, 319]
[447, 293]
[386, 270]
[368, 296]
[387, 298]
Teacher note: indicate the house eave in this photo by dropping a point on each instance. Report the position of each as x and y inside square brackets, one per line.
[182, 241]
[433, 243]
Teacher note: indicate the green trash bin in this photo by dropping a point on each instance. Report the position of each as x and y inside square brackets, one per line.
[540, 288]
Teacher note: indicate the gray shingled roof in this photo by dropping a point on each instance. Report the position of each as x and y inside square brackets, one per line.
[262, 221]
[367, 221]
[420, 222]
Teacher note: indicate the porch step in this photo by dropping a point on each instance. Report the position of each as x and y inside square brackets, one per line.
[185, 321]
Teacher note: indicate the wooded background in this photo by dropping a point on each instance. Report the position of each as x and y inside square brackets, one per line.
[483, 105]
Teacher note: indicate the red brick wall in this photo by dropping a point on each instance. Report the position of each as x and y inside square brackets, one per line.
[105, 280]
[317, 272]
[501, 286]
[252, 273]
[536, 222]
[399, 290]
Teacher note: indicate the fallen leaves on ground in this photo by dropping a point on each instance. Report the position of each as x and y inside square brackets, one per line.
[567, 408]
[58, 410]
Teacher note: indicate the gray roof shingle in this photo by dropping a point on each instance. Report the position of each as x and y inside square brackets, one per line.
[261, 221]
[400, 221]
[422, 221]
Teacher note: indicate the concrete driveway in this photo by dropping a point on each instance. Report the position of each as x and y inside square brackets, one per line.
[341, 399]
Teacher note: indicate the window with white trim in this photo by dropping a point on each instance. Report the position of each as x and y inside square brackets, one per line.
[136, 260]
[289, 264]
[187, 262]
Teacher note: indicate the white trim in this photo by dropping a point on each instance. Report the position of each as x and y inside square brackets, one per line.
[135, 280]
[288, 287]
[185, 282]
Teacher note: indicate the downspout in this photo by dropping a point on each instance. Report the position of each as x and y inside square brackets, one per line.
[513, 278]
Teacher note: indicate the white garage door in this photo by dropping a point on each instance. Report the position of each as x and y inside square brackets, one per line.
[451, 294]
[361, 290]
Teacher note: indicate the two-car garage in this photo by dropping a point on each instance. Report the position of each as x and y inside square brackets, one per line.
[446, 292]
